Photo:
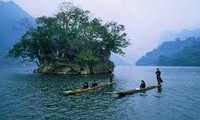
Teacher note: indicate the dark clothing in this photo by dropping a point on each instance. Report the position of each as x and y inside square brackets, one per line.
[158, 76]
[85, 86]
[110, 75]
[143, 85]
[94, 84]
[158, 73]
[109, 71]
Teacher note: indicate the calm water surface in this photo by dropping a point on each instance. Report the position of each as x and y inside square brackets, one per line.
[28, 96]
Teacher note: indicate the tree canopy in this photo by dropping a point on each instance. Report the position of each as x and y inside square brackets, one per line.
[70, 35]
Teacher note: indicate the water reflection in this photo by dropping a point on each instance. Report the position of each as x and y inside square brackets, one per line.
[159, 89]
[35, 96]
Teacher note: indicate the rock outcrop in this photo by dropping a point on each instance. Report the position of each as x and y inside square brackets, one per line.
[74, 69]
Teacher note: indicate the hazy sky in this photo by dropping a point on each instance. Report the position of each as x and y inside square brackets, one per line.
[145, 20]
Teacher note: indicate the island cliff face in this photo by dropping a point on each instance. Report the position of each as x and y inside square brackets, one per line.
[76, 63]
[70, 42]
[74, 69]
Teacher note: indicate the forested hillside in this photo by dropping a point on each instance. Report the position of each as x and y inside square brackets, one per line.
[177, 53]
[188, 56]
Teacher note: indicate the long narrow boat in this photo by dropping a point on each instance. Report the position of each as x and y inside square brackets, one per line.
[77, 91]
[133, 91]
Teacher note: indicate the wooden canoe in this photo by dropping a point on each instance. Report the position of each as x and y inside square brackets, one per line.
[77, 91]
[133, 91]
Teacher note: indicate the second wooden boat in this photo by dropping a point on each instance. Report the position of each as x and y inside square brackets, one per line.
[130, 92]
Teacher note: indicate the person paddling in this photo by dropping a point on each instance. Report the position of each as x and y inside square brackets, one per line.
[158, 76]
[94, 83]
[85, 85]
[143, 84]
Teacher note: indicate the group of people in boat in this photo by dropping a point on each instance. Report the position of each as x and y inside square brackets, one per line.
[158, 76]
[86, 85]
[94, 84]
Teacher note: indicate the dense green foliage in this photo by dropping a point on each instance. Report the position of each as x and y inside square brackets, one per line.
[188, 56]
[71, 35]
[176, 53]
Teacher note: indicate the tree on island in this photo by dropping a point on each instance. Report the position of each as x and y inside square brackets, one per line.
[69, 39]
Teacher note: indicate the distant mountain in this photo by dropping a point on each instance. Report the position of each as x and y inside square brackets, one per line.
[176, 42]
[188, 56]
[170, 36]
[167, 52]
[118, 60]
[11, 18]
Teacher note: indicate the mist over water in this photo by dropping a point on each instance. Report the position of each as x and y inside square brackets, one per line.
[25, 95]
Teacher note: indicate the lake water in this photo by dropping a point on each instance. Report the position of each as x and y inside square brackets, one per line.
[28, 96]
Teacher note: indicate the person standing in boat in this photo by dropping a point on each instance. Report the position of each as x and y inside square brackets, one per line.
[110, 74]
[94, 83]
[85, 85]
[143, 84]
[158, 76]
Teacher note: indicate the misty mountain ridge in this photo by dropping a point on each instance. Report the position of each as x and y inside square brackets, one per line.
[11, 29]
[167, 50]
[174, 43]
[188, 56]
[10, 22]
[184, 34]
[118, 60]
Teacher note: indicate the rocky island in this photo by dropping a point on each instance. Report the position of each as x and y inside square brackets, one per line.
[71, 42]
